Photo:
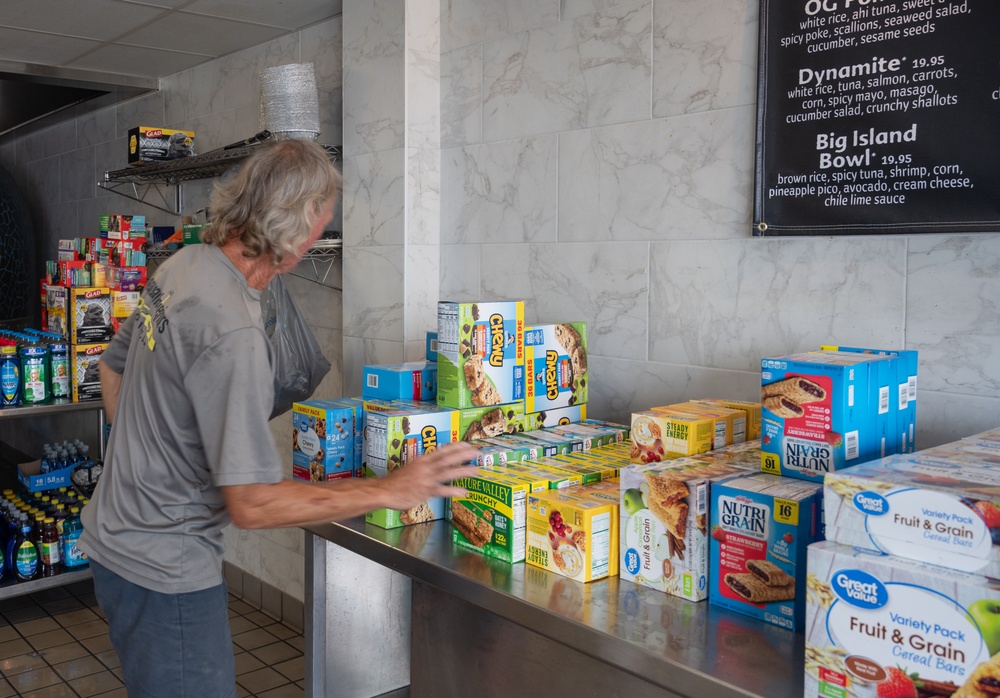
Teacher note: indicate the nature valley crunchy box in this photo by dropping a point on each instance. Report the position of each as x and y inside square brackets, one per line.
[480, 353]
[880, 625]
[555, 366]
[572, 533]
[491, 518]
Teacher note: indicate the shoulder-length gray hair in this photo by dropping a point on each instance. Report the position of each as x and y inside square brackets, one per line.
[273, 200]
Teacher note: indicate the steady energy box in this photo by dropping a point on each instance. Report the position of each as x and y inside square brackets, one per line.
[656, 435]
[817, 414]
[555, 359]
[396, 437]
[480, 353]
[322, 441]
[761, 527]
[879, 625]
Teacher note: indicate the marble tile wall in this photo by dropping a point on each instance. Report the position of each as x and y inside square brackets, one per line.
[597, 161]
[58, 168]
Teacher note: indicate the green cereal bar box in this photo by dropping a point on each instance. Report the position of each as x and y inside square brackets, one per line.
[621, 429]
[495, 454]
[558, 415]
[495, 420]
[491, 518]
[394, 438]
[609, 468]
[480, 353]
[555, 358]
[525, 450]
[588, 437]
[543, 447]
[555, 478]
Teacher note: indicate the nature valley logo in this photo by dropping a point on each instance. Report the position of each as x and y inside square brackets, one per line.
[428, 438]
[483, 491]
[815, 456]
[551, 375]
[744, 516]
[497, 340]
[154, 315]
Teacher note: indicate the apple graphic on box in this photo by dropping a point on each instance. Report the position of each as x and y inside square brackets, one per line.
[986, 613]
[632, 501]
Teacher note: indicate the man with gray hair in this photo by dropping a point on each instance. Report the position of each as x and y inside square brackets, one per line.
[188, 386]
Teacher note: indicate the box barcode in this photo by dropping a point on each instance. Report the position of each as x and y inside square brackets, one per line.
[701, 503]
[851, 445]
[372, 380]
[883, 399]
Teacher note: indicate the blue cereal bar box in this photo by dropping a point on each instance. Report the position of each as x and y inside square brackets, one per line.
[323, 438]
[412, 380]
[760, 528]
[818, 413]
[555, 359]
[397, 437]
[480, 353]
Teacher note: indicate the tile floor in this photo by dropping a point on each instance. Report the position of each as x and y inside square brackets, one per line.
[54, 644]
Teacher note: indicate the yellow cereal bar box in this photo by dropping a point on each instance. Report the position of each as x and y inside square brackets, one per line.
[655, 434]
[752, 410]
[572, 534]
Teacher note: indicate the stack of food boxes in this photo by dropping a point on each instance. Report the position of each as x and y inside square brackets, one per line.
[903, 598]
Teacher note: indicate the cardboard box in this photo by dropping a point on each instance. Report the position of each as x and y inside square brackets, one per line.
[124, 303]
[876, 617]
[57, 309]
[723, 431]
[412, 380]
[664, 539]
[121, 226]
[761, 527]
[396, 437]
[656, 434]
[85, 369]
[557, 416]
[552, 477]
[127, 278]
[191, 234]
[555, 360]
[322, 441]
[148, 144]
[918, 507]
[480, 353]
[525, 450]
[30, 475]
[750, 409]
[495, 420]
[90, 315]
[573, 533]
[491, 519]
[818, 413]
[74, 273]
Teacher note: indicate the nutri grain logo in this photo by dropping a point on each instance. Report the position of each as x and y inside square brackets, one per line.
[743, 516]
[814, 456]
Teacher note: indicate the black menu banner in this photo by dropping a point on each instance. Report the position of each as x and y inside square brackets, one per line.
[878, 116]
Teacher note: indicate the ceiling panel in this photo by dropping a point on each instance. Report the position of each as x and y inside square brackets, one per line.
[42, 49]
[289, 14]
[180, 31]
[138, 60]
[93, 19]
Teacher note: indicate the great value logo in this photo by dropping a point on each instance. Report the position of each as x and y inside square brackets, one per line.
[860, 589]
[871, 503]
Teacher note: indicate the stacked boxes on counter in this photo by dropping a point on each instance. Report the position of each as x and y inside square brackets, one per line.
[903, 596]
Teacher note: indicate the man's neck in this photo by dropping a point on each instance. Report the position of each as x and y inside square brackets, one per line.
[258, 272]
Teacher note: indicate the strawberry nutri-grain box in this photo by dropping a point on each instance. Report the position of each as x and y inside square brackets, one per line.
[819, 413]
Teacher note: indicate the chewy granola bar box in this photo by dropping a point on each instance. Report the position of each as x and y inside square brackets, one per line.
[761, 527]
[573, 533]
[396, 437]
[880, 625]
[491, 518]
[555, 359]
[480, 353]
[919, 507]
[558, 415]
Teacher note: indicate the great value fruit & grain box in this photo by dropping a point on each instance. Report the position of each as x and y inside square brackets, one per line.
[322, 441]
[558, 415]
[750, 409]
[880, 625]
[932, 511]
[396, 437]
[491, 518]
[573, 533]
[656, 434]
[411, 380]
[664, 525]
[495, 420]
[817, 412]
[761, 527]
[555, 358]
[480, 353]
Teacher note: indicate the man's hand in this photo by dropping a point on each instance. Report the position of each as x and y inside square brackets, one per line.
[428, 475]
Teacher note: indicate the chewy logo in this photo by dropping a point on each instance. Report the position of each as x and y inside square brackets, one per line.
[428, 438]
[497, 340]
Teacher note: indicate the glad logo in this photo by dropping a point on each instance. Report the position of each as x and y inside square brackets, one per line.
[93, 294]
[860, 589]
[90, 351]
[871, 503]
[154, 133]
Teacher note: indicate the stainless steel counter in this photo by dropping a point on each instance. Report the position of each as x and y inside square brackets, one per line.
[381, 604]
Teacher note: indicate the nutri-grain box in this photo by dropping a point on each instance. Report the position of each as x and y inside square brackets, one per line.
[919, 507]
[323, 440]
[573, 533]
[664, 524]
[761, 527]
[396, 437]
[818, 413]
[480, 353]
[880, 625]
[556, 366]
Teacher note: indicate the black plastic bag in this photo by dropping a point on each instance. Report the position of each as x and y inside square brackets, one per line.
[298, 361]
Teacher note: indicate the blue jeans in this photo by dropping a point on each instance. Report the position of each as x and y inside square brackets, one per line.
[170, 645]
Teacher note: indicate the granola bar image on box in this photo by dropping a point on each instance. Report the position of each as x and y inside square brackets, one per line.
[984, 682]
[797, 389]
[770, 573]
[755, 590]
[477, 531]
[781, 406]
[667, 502]
[417, 514]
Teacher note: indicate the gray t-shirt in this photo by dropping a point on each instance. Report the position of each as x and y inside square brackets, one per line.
[192, 416]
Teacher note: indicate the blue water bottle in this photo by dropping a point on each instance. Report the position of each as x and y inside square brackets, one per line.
[10, 375]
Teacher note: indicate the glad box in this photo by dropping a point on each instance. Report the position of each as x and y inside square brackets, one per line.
[480, 353]
[555, 358]
[761, 527]
[322, 441]
[869, 616]
[90, 315]
[396, 437]
[817, 414]
[918, 507]
[86, 373]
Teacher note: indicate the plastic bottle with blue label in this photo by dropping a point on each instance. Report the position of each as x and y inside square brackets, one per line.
[73, 557]
[59, 371]
[10, 375]
[34, 372]
[25, 558]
